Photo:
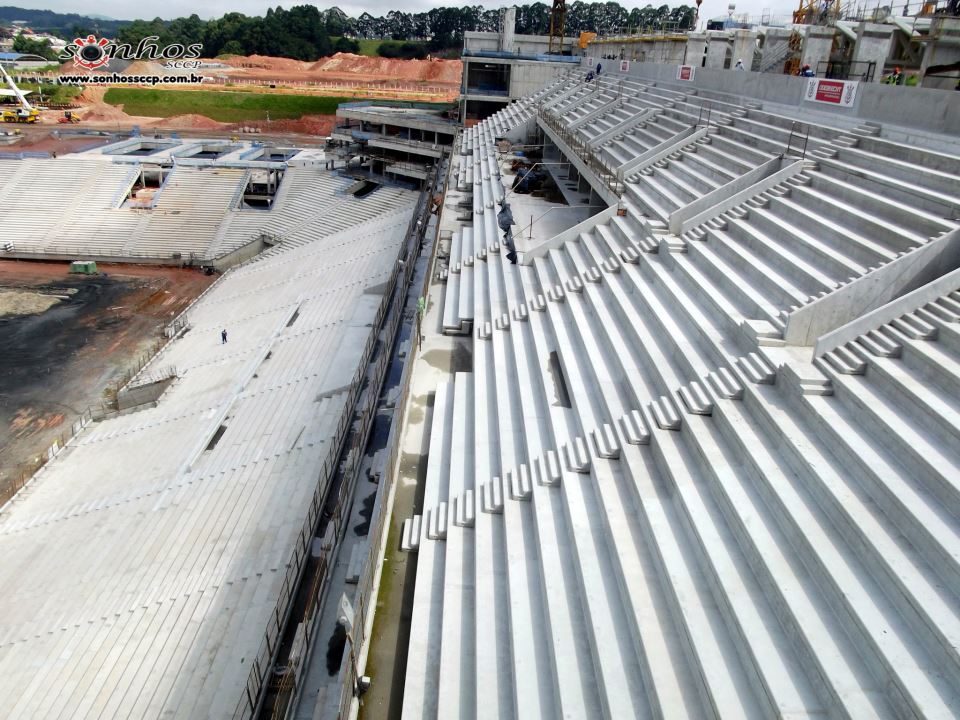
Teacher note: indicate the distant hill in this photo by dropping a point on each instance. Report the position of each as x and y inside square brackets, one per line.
[65, 25]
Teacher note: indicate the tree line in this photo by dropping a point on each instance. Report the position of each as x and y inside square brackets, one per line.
[305, 32]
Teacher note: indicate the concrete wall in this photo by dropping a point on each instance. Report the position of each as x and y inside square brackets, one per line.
[528, 76]
[695, 50]
[142, 394]
[744, 43]
[641, 49]
[776, 44]
[944, 49]
[907, 273]
[241, 254]
[481, 41]
[943, 285]
[892, 104]
[507, 37]
[720, 51]
[520, 44]
[601, 218]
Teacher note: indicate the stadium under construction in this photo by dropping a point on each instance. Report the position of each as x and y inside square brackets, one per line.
[643, 402]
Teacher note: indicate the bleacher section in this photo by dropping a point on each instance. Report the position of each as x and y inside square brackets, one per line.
[72, 207]
[143, 566]
[309, 201]
[642, 502]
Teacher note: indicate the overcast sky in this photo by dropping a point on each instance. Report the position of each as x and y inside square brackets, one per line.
[168, 9]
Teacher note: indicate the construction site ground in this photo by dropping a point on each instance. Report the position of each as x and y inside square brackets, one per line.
[347, 76]
[66, 338]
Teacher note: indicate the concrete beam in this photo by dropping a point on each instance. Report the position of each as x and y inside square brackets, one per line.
[658, 152]
[814, 323]
[737, 191]
[603, 110]
[626, 125]
[411, 146]
[562, 95]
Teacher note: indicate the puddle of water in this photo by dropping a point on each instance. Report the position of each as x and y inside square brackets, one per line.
[410, 462]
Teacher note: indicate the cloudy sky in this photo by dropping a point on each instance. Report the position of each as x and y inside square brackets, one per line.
[168, 9]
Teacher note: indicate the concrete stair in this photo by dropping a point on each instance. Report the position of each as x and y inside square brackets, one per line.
[678, 515]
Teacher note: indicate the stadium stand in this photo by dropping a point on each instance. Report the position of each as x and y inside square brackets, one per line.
[645, 500]
[196, 215]
[148, 565]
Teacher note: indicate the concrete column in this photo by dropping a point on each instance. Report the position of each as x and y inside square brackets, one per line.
[817, 45]
[507, 42]
[744, 43]
[719, 49]
[943, 49]
[873, 45]
[695, 47]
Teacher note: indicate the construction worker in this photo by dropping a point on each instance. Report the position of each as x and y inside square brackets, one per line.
[806, 71]
[895, 78]
[739, 65]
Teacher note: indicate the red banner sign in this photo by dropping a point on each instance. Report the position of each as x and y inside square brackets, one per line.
[831, 92]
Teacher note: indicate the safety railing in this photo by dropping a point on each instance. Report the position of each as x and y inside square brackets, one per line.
[606, 174]
[800, 133]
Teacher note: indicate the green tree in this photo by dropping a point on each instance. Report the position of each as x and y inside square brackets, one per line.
[346, 45]
[232, 47]
[28, 46]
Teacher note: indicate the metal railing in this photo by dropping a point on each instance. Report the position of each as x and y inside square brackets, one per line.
[606, 174]
[800, 132]
[846, 70]
[703, 115]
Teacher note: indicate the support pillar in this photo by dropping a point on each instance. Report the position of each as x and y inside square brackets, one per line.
[873, 45]
[817, 46]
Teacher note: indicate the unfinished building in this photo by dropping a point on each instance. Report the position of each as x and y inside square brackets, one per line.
[152, 564]
[703, 461]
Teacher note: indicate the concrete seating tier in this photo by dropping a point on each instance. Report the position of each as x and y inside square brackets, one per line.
[632, 507]
[195, 215]
[145, 562]
[309, 201]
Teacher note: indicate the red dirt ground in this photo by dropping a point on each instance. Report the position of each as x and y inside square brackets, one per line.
[341, 75]
[345, 66]
[58, 362]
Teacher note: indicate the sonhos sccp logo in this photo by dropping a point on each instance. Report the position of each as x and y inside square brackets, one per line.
[90, 53]
[93, 53]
